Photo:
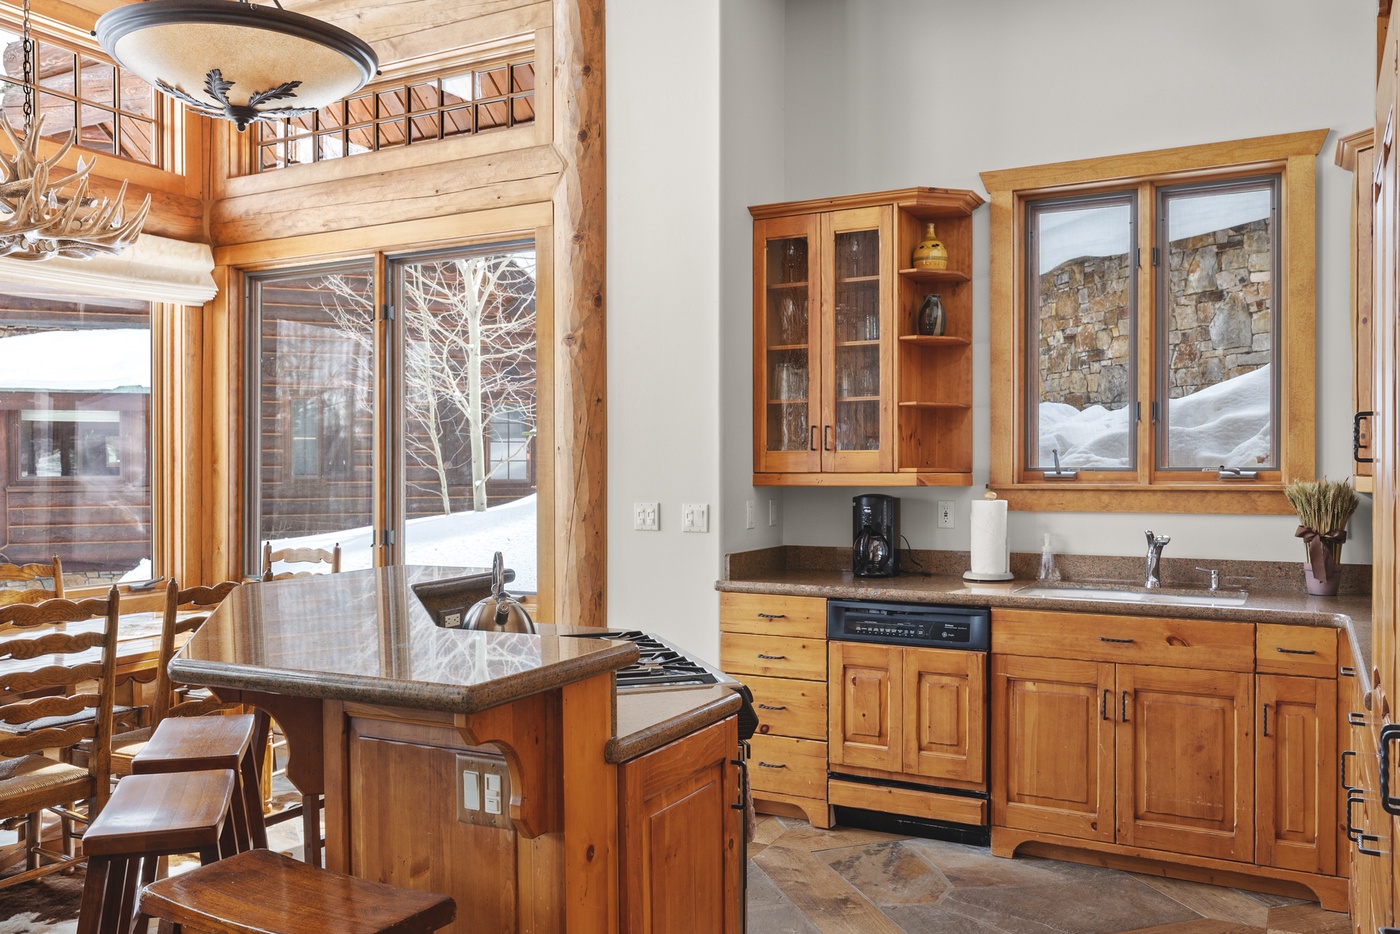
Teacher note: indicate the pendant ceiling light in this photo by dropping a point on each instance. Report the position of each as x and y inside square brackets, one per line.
[45, 213]
[232, 60]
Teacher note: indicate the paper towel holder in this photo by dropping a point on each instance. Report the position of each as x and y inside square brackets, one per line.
[971, 576]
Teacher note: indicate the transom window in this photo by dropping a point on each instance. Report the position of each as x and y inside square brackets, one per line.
[1155, 310]
[461, 103]
[115, 111]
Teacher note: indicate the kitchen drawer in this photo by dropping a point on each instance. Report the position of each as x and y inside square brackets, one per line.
[773, 614]
[1138, 640]
[773, 656]
[787, 707]
[1310, 651]
[788, 766]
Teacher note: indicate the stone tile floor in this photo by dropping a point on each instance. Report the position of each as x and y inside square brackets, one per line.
[843, 881]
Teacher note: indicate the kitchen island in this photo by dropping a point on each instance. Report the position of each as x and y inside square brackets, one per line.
[488, 766]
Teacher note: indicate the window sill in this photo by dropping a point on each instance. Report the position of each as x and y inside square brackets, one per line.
[1241, 498]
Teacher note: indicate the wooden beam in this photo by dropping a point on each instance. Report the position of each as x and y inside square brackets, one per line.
[580, 306]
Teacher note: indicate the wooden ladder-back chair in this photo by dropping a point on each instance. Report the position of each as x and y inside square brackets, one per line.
[298, 556]
[174, 700]
[28, 573]
[56, 687]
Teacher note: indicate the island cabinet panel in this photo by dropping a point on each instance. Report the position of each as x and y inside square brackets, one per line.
[404, 830]
[1186, 761]
[1296, 799]
[1052, 746]
[679, 836]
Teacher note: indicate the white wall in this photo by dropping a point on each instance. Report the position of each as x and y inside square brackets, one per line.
[931, 92]
[663, 328]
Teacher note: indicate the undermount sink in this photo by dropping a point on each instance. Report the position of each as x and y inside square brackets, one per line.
[1164, 595]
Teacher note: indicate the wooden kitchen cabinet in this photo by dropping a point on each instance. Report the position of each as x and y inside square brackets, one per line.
[846, 391]
[679, 854]
[777, 646]
[1356, 153]
[1147, 739]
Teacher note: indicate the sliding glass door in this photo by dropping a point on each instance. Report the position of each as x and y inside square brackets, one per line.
[396, 402]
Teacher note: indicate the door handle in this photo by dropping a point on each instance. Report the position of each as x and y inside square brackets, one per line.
[1123, 707]
[1103, 705]
[812, 446]
[1350, 788]
[1266, 719]
[828, 438]
[1353, 797]
[1389, 734]
[1356, 421]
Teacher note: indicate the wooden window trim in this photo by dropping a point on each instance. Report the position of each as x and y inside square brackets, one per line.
[1294, 157]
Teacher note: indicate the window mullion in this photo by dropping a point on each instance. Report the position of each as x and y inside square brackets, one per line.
[1147, 365]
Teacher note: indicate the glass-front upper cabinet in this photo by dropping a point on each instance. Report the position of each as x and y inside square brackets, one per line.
[862, 365]
[856, 293]
[787, 326]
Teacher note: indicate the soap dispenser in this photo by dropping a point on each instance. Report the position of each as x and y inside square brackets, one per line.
[1048, 571]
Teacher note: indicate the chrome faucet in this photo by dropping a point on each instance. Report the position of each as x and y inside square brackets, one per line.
[1155, 544]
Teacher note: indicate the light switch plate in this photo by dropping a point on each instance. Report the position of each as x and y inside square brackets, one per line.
[646, 517]
[483, 788]
[695, 517]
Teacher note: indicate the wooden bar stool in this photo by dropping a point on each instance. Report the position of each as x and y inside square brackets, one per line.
[149, 817]
[259, 891]
[193, 744]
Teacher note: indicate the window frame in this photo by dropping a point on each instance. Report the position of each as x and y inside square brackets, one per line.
[1150, 489]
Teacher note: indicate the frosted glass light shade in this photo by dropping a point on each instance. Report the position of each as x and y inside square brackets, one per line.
[230, 59]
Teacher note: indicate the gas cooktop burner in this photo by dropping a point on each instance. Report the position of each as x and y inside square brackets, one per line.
[661, 666]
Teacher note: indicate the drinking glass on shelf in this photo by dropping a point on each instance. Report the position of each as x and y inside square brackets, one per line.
[855, 255]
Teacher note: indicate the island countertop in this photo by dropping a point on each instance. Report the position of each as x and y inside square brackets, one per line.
[364, 636]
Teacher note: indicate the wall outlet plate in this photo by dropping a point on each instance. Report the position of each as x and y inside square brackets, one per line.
[945, 513]
[748, 513]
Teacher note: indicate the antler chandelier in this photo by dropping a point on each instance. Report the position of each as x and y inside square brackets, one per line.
[42, 217]
[235, 61]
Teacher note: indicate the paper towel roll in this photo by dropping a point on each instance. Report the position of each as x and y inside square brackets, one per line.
[989, 556]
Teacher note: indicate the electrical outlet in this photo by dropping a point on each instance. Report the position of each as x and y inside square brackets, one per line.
[772, 513]
[646, 517]
[695, 517]
[452, 620]
[945, 514]
[748, 514]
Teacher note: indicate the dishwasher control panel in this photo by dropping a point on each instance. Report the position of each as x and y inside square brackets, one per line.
[921, 624]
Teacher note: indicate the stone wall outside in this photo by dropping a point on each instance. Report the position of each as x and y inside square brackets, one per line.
[1220, 319]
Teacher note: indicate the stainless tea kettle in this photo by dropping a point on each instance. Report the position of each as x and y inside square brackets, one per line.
[499, 612]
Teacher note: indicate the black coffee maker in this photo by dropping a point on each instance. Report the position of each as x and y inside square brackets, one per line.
[875, 525]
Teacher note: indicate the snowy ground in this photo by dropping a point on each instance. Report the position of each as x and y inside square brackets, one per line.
[464, 539]
[1225, 424]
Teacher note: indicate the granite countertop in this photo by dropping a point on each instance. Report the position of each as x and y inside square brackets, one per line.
[648, 720]
[364, 636]
[813, 572]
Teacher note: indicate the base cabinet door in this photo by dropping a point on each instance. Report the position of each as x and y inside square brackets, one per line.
[679, 839]
[945, 724]
[1186, 761]
[1295, 793]
[1052, 746]
[866, 706]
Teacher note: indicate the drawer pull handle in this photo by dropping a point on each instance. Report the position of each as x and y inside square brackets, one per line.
[769, 707]
[1296, 651]
[1356, 719]
[1353, 797]
[1122, 641]
[1346, 671]
[1390, 804]
[769, 765]
[772, 658]
[772, 616]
